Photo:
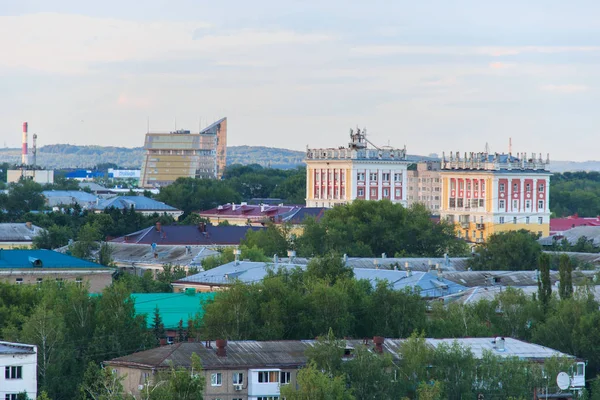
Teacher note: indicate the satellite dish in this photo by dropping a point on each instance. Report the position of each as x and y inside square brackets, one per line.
[563, 380]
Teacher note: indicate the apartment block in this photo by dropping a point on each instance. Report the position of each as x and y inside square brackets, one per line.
[425, 185]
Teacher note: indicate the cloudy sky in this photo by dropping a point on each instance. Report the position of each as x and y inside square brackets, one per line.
[431, 75]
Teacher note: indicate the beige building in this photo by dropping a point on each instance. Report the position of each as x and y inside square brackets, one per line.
[425, 185]
[41, 176]
[184, 154]
[18, 235]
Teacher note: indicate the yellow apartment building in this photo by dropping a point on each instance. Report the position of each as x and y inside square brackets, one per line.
[487, 193]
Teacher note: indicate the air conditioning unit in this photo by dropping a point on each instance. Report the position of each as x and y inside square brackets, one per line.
[237, 388]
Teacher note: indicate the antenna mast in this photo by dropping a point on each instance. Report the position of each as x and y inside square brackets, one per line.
[510, 145]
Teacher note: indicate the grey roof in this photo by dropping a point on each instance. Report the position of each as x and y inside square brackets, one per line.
[10, 232]
[414, 263]
[94, 187]
[489, 293]
[141, 203]
[57, 197]
[508, 278]
[166, 254]
[16, 348]
[573, 234]
[430, 284]
[291, 353]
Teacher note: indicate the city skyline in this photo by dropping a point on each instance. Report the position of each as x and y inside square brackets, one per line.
[431, 76]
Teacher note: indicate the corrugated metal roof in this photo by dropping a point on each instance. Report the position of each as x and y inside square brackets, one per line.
[291, 353]
[166, 254]
[48, 259]
[141, 203]
[18, 232]
[172, 307]
[572, 235]
[7, 348]
[188, 235]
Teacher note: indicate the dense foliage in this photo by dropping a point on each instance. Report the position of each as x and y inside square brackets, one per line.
[509, 251]
[575, 193]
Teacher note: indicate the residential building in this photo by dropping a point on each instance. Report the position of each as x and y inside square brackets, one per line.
[259, 214]
[425, 185]
[141, 204]
[590, 234]
[184, 154]
[194, 235]
[18, 370]
[560, 225]
[255, 370]
[33, 267]
[429, 284]
[18, 235]
[57, 198]
[41, 176]
[489, 193]
[357, 172]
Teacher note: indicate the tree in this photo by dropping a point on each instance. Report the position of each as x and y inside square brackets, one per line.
[565, 269]
[316, 385]
[53, 237]
[86, 242]
[329, 268]
[177, 383]
[544, 283]
[157, 325]
[105, 254]
[371, 375]
[511, 251]
[102, 384]
[430, 391]
[271, 240]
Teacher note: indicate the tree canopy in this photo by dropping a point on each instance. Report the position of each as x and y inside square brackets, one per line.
[507, 251]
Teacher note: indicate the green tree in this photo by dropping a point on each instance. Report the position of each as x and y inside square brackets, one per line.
[52, 238]
[272, 240]
[329, 268]
[511, 251]
[177, 383]
[430, 391]
[565, 269]
[316, 385]
[371, 375]
[87, 242]
[544, 282]
[101, 384]
[158, 329]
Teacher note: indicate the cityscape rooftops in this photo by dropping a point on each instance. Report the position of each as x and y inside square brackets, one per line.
[495, 162]
[46, 259]
[172, 307]
[18, 232]
[358, 150]
[139, 203]
[263, 212]
[560, 225]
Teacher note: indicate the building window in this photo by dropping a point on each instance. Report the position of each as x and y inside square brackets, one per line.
[398, 194]
[342, 175]
[501, 204]
[452, 203]
[360, 176]
[360, 192]
[13, 372]
[540, 220]
[267, 398]
[373, 176]
[528, 187]
[515, 220]
[541, 204]
[79, 282]
[460, 203]
[216, 379]
[386, 192]
[317, 176]
[336, 193]
[19, 281]
[59, 282]
[238, 378]
[527, 204]
[541, 188]
[515, 187]
[474, 234]
[39, 281]
[527, 220]
[515, 204]
[468, 186]
[385, 177]
[481, 203]
[284, 377]
[502, 187]
[268, 376]
[373, 192]
[11, 396]
[398, 177]
[452, 184]
[461, 185]
[316, 193]
[501, 220]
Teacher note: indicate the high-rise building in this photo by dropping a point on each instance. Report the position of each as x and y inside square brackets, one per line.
[184, 154]
[341, 175]
[489, 193]
[425, 185]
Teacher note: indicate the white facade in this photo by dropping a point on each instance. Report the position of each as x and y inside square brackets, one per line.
[265, 383]
[41, 176]
[18, 370]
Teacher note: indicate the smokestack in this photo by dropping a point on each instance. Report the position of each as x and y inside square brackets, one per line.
[34, 162]
[24, 159]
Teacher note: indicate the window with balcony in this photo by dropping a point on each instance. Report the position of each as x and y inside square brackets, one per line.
[268, 376]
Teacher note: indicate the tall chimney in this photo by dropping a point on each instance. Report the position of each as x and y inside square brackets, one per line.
[24, 159]
[221, 347]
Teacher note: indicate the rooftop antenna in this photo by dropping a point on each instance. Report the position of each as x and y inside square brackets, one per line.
[175, 124]
[34, 150]
[510, 145]
[487, 148]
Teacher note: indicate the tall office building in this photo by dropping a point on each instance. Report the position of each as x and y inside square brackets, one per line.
[341, 175]
[184, 154]
[488, 193]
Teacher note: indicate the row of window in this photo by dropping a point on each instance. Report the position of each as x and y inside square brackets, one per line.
[461, 185]
[281, 377]
[516, 187]
[460, 203]
[59, 281]
[373, 176]
[13, 372]
[338, 193]
[515, 204]
[501, 220]
[341, 175]
[360, 192]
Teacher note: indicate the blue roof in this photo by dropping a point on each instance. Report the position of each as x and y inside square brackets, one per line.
[141, 203]
[429, 284]
[83, 173]
[172, 307]
[42, 259]
[79, 195]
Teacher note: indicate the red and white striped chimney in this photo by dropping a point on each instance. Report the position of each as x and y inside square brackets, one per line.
[24, 159]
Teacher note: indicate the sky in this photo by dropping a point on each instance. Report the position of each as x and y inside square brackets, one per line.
[432, 75]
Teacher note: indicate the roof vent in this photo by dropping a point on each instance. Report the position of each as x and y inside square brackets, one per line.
[499, 344]
[36, 262]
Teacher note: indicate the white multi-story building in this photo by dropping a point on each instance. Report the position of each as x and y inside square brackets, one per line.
[18, 366]
[356, 172]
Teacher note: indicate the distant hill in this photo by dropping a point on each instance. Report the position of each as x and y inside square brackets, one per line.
[71, 156]
[60, 156]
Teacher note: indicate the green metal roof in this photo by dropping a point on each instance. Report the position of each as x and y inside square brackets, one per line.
[172, 307]
[45, 259]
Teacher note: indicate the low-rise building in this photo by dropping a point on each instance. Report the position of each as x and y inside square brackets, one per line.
[260, 214]
[41, 176]
[425, 185]
[33, 267]
[18, 367]
[257, 370]
[558, 226]
[57, 198]
[141, 204]
[18, 235]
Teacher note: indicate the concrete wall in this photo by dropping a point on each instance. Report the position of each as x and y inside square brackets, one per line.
[28, 382]
[96, 280]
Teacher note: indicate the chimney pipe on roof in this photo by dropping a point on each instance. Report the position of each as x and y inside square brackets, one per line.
[221, 347]
[378, 340]
[158, 226]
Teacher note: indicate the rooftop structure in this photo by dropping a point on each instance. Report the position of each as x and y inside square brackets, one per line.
[590, 233]
[341, 175]
[247, 214]
[18, 363]
[56, 198]
[13, 235]
[184, 154]
[200, 235]
[142, 204]
[559, 225]
[486, 193]
[41, 176]
[35, 266]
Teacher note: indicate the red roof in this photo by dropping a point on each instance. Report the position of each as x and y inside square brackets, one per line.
[251, 212]
[558, 225]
